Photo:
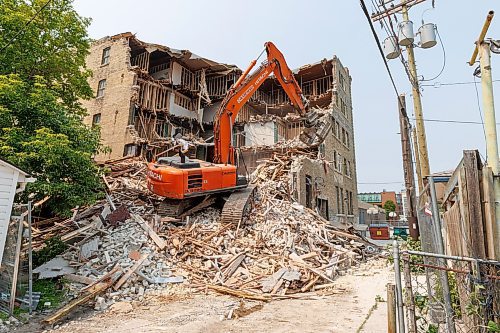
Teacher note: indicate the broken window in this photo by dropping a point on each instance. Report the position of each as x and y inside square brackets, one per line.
[96, 119]
[100, 88]
[309, 189]
[105, 56]
[322, 206]
[130, 150]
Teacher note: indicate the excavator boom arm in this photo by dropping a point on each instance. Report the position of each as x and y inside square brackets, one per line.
[243, 90]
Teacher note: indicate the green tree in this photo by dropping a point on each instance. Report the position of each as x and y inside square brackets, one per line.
[389, 206]
[52, 46]
[42, 79]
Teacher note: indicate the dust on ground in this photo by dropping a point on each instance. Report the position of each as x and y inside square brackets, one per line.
[354, 306]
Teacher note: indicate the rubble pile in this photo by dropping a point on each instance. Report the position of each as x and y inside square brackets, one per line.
[284, 250]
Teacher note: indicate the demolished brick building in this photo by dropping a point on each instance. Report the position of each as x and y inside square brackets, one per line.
[144, 92]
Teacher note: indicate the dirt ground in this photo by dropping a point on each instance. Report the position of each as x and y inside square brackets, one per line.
[353, 309]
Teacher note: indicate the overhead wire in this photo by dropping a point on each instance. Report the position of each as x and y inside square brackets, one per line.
[444, 58]
[375, 36]
[479, 107]
[466, 122]
[367, 15]
[11, 40]
[439, 84]
[413, 80]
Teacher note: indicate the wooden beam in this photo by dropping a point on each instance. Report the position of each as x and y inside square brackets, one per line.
[151, 233]
[13, 287]
[79, 278]
[452, 183]
[85, 297]
[472, 167]
[132, 270]
[391, 308]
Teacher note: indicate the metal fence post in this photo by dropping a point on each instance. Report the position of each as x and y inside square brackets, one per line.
[399, 288]
[450, 322]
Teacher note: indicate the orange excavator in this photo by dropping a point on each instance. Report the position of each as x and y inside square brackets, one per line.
[195, 184]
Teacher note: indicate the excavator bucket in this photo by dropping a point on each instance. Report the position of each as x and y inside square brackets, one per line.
[316, 129]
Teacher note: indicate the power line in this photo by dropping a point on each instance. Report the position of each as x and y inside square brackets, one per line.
[439, 84]
[413, 80]
[444, 57]
[365, 11]
[479, 108]
[453, 121]
[24, 27]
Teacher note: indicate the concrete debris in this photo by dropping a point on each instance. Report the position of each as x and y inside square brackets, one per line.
[89, 248]
[285, 250]
[54, 268]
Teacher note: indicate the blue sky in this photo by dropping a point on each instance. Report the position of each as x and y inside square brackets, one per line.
[234, 31]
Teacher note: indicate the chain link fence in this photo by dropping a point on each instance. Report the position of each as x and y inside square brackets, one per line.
[449, 294]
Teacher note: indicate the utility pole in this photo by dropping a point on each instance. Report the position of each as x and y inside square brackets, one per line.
[422, 156]
[483, 49]
[417, 161]
[417, 107]
[404, 126]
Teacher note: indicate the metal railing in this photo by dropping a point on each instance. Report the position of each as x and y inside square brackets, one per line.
[440, 293]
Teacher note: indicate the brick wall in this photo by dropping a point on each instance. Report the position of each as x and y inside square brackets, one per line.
[115, 105]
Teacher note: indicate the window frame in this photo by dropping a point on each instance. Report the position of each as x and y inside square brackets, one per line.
[97, 116]
[101, 89]
[106, 52]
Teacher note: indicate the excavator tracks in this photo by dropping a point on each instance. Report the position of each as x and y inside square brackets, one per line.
[238, 206]
[235, 210]
[170, 208]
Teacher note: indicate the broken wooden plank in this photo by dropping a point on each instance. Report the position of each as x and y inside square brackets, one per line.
[79, 278]
[233, 265]
[86, 296]
[132, 269]
[239, 293]
[151, 233]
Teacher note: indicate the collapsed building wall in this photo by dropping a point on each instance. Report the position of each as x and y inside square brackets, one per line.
[146, 91]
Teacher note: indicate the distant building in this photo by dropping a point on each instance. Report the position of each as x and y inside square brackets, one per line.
[365, 218]
[380, 198]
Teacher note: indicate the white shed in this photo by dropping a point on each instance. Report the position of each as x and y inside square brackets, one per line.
[12, 180]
